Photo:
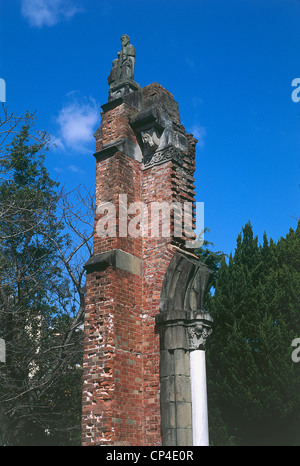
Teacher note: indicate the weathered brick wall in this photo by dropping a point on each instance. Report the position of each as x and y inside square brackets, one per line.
[121, 392]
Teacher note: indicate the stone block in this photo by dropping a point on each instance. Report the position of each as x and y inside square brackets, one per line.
[183, 415]
[123, 145]
[169, 415]
[184, 437]
[167, 389]
[182, 388]
[174, 336]
[169, 437]
[166, 363]
[181, 362]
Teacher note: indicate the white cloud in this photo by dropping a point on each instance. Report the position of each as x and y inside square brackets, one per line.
[69, 168]
[199, 132]
[58, 169]
[48, 12]
[56, 143]
[75, 169]
[77, 120]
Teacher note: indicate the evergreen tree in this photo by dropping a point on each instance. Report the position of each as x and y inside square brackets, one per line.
[253, 382]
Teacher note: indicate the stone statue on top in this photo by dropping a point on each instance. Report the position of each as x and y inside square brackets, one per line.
[123, 66]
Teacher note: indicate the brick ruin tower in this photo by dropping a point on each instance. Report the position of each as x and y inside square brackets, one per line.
[145, 330]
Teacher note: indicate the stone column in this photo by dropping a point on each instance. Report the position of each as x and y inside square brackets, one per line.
[197, 337]
[183, 377]
[2, 351]
[183, 328]
[175, 392]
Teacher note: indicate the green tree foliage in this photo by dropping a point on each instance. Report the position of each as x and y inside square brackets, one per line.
[253, 383]
[40, 383]
[212, 259]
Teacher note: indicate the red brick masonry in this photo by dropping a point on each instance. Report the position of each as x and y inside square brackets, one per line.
[121, 393]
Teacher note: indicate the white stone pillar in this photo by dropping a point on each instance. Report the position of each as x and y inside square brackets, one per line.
[199, 398]
[198, 334]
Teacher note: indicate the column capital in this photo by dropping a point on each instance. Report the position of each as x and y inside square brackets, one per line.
[198, 334]
[186, 330]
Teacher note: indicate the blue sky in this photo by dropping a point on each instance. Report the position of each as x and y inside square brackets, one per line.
[229, 65]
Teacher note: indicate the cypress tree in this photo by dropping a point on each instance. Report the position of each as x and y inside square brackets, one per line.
[253, 382]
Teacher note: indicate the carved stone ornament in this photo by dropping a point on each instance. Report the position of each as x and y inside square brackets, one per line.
[151, 141]
[161, 156]
[161, 146]
[198, 334]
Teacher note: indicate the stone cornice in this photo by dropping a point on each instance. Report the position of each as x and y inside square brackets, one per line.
[123, 145]
[115, 258]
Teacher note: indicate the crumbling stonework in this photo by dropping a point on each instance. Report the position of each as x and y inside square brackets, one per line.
[144, 154]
